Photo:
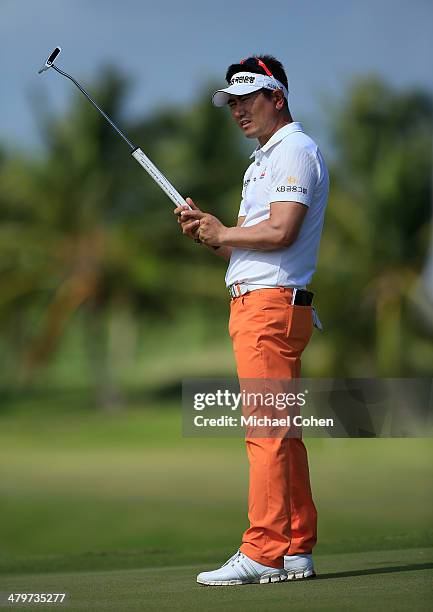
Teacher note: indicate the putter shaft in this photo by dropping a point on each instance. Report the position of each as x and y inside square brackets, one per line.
[137, 153]
[110, 121]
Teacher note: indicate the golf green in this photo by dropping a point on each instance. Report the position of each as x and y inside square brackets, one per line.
[121, 512]
[397, 580]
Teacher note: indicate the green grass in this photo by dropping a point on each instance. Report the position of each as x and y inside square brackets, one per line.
[106, 505]
[400, 580]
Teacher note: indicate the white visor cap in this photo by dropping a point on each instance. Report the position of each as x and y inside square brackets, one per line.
[243, 83]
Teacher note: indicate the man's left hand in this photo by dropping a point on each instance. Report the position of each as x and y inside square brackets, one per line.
[210, 230]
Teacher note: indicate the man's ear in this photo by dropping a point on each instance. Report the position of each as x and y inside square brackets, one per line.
[279, 99]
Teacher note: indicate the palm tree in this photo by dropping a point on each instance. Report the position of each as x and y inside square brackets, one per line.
[87, 232]
[374, 244]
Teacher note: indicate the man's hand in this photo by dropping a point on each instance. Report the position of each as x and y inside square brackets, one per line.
[199, 225]
[202, 228]
[188, 226]
[210, 229]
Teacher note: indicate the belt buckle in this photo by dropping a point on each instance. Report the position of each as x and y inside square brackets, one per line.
[235, 290]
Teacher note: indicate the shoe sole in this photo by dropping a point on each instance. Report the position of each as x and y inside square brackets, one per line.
[271, 579]
[306, 575]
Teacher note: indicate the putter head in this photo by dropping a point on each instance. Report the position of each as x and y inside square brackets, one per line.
[50, 61]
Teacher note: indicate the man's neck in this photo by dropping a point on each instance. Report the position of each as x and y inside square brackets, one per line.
[281, 123]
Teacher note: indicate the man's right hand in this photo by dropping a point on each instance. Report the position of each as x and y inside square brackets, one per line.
[189, 227]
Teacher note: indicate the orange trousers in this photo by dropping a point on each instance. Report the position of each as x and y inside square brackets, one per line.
[269, 335]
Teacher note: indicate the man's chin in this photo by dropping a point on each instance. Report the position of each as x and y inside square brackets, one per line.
[250, 132]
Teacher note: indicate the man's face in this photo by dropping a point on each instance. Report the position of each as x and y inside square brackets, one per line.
[255, 114]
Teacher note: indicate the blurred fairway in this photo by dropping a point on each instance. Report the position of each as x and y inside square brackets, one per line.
[84, 490]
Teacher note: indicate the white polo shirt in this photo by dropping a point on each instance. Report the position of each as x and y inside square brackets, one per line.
[289, 167]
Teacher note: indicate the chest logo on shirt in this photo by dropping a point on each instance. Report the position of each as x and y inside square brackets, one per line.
[256, 178]
[261, 176]
[292, 179]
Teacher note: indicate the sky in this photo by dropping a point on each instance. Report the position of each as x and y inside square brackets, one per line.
[172, 50]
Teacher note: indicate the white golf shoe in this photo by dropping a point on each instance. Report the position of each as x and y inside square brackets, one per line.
[240, 569]
[299, 566]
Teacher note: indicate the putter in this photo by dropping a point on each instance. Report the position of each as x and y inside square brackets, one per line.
[136, 153]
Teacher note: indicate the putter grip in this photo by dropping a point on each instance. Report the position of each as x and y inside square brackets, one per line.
[159, 178]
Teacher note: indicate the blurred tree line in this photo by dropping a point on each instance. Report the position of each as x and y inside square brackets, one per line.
[87, 238]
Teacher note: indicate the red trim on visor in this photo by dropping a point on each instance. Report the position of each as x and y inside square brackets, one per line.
[261, 64]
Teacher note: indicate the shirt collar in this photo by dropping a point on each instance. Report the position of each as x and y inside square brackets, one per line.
[279, 135]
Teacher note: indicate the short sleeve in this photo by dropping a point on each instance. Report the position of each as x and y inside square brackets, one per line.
[294, 176]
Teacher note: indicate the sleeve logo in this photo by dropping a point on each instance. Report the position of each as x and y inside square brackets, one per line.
[292, 188]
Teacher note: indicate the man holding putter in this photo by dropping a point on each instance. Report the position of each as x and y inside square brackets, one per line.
[272, 254]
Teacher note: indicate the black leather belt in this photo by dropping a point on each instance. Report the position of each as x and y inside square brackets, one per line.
[302, 297]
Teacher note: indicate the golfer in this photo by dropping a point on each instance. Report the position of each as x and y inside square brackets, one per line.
[272, 254]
